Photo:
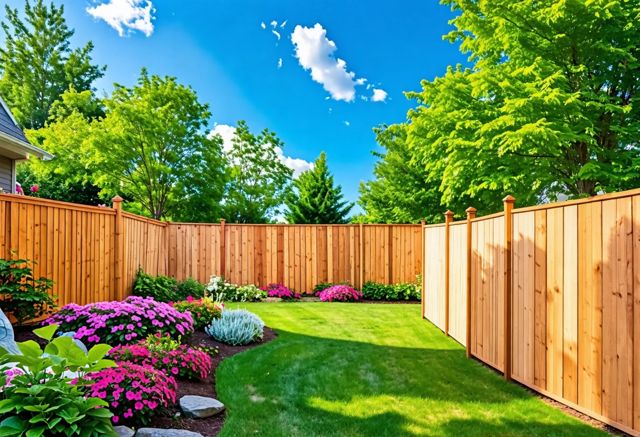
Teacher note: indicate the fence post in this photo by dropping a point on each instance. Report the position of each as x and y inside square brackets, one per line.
[508, 235]
[471, 214]
[223, 249]
[119, 263]
[448, 218]
[422, 277]
[361, 248]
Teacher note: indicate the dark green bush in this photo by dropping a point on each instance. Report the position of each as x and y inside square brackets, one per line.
[402, 291]
[22, 295]
[166, 289]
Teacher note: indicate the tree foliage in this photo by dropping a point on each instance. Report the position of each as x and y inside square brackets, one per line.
[152, 148]
[549, 105]
[315, 199]
[258, 180]
[37, 63]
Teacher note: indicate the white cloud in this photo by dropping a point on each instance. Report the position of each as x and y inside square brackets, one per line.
[279, 63]
[315, 52]
[264, 26]
[347, 123]
[126, 15]
[284, 23]
[379, 95]
[276, 33]
[274, 23]
[228, 132]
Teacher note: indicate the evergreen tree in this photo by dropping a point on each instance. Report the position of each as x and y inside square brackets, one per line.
[37, 63]
[315, 199]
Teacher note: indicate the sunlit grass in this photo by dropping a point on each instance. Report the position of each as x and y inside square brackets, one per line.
[358, 369]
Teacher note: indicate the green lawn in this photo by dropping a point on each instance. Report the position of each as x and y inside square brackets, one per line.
[359, 369]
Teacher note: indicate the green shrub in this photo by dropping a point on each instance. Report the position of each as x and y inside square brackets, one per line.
[166, 289]
[402, 291]
[202, 310]
[236, 327]
[39, 397]
[22, 295]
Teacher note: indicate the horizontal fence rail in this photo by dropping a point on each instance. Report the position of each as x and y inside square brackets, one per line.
[554, 298]
[93, 253]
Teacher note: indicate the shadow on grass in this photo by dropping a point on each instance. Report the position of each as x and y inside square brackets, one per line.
[306, 385]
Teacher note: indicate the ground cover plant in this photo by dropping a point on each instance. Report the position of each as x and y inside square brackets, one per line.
[123, 322]
[367, 369]
[236, 327]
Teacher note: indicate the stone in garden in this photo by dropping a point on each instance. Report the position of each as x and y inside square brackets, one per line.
[157, 432]
[200, 407]
[124, 431]
[7, 339]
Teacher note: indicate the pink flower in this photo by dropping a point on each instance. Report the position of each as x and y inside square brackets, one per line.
[34, 188]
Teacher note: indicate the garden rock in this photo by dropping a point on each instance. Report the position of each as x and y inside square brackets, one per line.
[157, 432]
[200, 407]
[124, 431]
[7, 339]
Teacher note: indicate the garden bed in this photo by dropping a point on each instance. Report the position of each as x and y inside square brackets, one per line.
[209, 426]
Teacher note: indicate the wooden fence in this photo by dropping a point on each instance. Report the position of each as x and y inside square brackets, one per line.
[93, 253]
[550, 297]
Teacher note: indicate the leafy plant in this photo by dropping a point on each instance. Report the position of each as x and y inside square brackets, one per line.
[23, 296]
[342, 293]
[236, 327]
[123, 322]
[202, 310]
[161, 288]
[402, 291]
[41, 397]
[134, 392]
[281, 291]
[190, 288]
[321, 286]
[163, 353]
[224, 291]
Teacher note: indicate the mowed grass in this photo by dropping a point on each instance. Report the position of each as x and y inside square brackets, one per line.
[341, 369]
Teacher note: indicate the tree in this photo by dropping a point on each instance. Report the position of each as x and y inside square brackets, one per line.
[37, 63]
[315, 199]
[258, 180]
[151, 147]
[548, 106]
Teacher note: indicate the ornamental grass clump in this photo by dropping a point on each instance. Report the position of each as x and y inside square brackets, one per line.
[202, 310]
[165, 354]
[123, 322]
[339, 293]
[134, 392]
[236, 327]
[281, 291]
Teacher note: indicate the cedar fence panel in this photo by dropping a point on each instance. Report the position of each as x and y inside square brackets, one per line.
[572, 329]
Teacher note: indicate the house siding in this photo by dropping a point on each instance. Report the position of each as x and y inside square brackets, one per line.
[8, 127]
[6, 174]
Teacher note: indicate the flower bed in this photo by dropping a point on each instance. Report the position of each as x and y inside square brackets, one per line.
[202, 310]
[340, 293]
[281, 291]
[123, 322]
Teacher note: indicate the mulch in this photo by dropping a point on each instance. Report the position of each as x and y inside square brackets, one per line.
[210, 426]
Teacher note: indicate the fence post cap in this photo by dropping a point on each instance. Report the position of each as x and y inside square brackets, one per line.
[509, 199]
[222, 220]
[449, 213]
[117, 199]
[470, 210]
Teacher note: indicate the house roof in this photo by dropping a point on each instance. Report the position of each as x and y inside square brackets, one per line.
[12, 136]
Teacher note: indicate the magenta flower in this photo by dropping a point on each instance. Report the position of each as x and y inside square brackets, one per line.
[340, 293]
[281, 291]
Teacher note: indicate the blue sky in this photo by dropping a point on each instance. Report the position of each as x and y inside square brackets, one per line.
[221, 49]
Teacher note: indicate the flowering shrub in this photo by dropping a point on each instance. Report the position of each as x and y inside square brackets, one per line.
[134, 392]
[342, 293]
[224, 291]
[281, 291]
[202, 310]
[180, 361]
[123, 322]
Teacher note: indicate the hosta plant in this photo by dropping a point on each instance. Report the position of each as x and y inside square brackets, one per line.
[281, 291]
[135, 393]
[339, 293]
[174, 359]
[236, 327]
[123, 322]
[46, 392]
[202, 310]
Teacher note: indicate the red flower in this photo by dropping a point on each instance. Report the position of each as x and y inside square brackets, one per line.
[35, 188]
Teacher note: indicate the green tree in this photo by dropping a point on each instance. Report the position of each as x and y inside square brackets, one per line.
[258, 180]
[37, 63]
[315, 199]
[549, 105]
[152, 148]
